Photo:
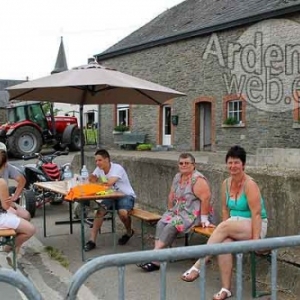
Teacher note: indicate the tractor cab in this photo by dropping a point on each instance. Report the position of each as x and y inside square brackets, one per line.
[31, 111]
[28, 129]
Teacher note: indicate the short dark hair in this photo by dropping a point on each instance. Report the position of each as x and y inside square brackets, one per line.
[187, 155]
[236, 152]
[104, 153]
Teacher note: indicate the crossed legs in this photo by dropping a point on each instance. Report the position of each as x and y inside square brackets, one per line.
[225, 232]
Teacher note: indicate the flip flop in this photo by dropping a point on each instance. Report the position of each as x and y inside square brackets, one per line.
[193, 271]
[149, 267]
[222, 294]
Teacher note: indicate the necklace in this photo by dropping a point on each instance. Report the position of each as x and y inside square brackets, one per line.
[239, 185]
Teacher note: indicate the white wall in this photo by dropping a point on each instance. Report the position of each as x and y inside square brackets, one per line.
[74, 109]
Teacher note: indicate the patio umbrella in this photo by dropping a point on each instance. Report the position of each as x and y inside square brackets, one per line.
[92, 84]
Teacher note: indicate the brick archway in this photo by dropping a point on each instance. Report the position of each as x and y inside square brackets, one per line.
[196, 122]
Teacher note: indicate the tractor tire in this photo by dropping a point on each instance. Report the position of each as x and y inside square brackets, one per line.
[25, 141]
[28, 202]
[75, 144]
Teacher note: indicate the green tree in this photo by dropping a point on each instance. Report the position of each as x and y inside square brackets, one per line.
[47, 109]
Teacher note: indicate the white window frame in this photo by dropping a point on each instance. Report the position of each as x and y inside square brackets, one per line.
[235, 113]
[123, 107]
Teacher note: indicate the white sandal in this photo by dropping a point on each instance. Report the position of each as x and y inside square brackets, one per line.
[218, 295]
[185, 275]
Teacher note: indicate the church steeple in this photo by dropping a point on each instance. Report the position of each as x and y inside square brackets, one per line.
[61, 61]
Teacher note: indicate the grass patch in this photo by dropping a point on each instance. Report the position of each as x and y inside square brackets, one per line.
[55, 254]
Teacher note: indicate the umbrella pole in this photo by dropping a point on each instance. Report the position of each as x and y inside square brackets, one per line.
[81, 134]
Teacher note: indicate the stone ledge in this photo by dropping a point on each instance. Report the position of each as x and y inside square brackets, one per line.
[234, 126]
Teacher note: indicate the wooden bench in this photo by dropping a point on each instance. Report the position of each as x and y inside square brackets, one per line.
[7, 238]
[208, 231]
[146, 217]
[132, 139]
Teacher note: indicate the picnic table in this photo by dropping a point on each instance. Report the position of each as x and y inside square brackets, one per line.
[61, 187]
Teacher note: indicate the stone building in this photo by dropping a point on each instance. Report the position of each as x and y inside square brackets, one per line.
[4, 97]
[237, 61]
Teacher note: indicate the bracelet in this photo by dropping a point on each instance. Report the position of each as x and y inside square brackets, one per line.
[204, 218]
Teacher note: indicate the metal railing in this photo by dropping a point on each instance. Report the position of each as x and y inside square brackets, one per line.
[166, 255]
[19, 281]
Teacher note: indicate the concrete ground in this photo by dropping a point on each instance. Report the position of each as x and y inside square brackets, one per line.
[52, 280]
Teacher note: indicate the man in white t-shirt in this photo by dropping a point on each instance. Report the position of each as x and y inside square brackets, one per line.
[116, 177]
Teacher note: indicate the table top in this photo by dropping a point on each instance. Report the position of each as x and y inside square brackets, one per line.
[60, 187]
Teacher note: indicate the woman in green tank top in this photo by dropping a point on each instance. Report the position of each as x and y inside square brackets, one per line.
[244, 217]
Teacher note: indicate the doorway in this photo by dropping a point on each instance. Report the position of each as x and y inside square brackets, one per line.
[204, 109]
[166, 125]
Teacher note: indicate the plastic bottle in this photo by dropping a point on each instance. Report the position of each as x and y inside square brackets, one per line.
[68, 176]
[84, 174]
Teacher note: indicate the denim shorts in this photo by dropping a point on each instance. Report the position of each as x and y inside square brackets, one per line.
[126, 203]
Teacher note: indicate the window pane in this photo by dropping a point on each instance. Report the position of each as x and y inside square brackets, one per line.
[123, 116]
[234, 109]
[240, 116]
[236, 105]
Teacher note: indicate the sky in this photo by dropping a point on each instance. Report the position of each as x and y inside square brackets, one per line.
[30, 31]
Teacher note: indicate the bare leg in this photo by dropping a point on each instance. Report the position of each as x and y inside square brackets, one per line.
[159, 245]
[98, 221]
[24, 231]
[225, 267]
[165, 235]
[21, 212]
[126, 220]
[229, 229]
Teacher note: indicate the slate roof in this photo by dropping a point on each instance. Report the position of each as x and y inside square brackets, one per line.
[194, 16]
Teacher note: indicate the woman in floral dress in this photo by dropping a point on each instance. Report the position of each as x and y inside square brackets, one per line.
[188, 204]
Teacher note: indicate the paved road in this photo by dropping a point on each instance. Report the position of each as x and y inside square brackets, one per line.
[9, 292]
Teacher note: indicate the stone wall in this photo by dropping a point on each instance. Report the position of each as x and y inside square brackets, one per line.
[152, 177]
[181, 66]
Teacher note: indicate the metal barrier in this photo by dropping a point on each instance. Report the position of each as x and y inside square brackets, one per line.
[165, 255]
[19, 281]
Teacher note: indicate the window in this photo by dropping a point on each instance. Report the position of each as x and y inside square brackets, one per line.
[90, 118]
[123, 114]
[234, 110]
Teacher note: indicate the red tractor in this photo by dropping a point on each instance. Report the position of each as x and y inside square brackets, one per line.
[28, 129]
